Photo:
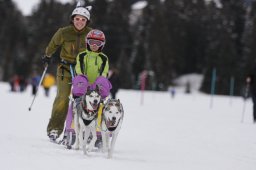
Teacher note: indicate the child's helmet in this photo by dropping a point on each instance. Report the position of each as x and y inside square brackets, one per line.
[96, 37]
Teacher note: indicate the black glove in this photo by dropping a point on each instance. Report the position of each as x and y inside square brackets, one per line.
[46, 60]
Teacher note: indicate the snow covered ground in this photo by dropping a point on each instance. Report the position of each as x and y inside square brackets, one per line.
[183, 133]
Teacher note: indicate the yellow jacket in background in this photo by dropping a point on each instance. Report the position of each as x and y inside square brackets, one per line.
[49, 81]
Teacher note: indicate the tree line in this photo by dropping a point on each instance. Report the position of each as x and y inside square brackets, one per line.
[167, 38]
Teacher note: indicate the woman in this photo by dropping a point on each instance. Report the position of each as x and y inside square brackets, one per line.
[71, 41]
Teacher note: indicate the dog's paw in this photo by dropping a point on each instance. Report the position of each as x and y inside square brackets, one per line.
[76, 147]
[85, 151]
[104, 150]
[89, 149]
[109, 153]
[109, 156]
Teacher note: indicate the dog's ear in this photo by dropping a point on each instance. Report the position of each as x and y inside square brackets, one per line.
[107, 108]
[118, 103]
[120, 106]
[88, 90]
[83, 99]
[97, 88]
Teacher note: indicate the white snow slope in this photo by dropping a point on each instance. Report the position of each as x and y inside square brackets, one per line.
[164, 133]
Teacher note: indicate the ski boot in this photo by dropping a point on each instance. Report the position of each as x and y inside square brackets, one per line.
[98, 143]
[71, 137]
[53, 135]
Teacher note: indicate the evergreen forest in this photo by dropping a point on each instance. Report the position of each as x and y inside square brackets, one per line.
[167, 38]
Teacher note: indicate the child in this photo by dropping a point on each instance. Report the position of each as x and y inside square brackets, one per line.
[93, 64]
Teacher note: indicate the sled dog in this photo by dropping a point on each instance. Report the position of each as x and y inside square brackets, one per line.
[85, 115]
[112, 118]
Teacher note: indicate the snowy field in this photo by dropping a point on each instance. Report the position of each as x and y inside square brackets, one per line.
[183, 133]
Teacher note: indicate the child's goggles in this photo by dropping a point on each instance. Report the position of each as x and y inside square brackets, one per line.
[98, 43]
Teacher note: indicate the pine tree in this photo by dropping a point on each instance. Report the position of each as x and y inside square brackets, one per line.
[12, 40]
[112, 17]
[46, 19]
[224, 46]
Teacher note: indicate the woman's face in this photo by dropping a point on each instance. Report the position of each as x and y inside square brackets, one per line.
[79, 22]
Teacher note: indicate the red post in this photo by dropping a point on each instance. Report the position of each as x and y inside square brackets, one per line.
[143, 78]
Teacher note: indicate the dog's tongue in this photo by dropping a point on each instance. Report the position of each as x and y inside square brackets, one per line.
[94, 106]
[110, 123]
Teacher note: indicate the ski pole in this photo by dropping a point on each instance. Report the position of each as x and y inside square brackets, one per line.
[45, 69]
[71, 71]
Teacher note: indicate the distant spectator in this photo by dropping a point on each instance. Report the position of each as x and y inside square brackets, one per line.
[34, 82]
[15, 83]
[188, 88]
[113, 76]
[172, 91]
[250, 84]
[23, 83]
[48, 82]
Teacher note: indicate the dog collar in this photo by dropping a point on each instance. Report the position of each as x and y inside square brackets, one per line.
[87, 122]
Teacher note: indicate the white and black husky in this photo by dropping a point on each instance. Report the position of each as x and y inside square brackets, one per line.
[112, 118]
[85, 119]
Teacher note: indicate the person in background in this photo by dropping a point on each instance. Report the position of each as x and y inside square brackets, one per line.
[34, 82]
[113, 76]
[71, 41]
[172, 91]
[15, 83]
[23, 83]
[188, 88]
[251, 86]
[48, 82]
